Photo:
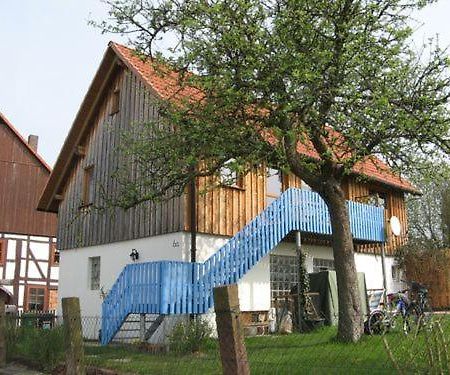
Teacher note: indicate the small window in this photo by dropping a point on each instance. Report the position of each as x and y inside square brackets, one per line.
[274, 185]
[397, 273]
[305, 186]
[320, 265]
[36, 298]
[3, 251]
[115, 104]
[229, 177]
[86, 192]
[54, 255]
[94, 273]
[374, 198]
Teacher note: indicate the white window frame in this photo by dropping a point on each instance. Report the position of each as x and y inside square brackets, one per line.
[94, 276]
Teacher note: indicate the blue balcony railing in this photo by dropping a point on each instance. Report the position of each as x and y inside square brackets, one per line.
[175, 287]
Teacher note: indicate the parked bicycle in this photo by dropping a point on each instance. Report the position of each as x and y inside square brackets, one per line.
[407, 311]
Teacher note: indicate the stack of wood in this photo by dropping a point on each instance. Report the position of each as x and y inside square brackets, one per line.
[432, 269]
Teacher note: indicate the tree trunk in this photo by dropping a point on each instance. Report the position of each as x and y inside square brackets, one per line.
[350, 326]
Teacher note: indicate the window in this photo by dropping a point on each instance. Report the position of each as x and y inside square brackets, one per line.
[320, 265]
[94, 273]
[228, 176]
[305, 186]
[115, 104]
[283, 275]
[274, 185]
[3, 251]
[54, 255]
[374, 198]
[36, 298]
[86, 198]
[397, 273]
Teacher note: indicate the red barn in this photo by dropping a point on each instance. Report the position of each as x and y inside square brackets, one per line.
[28, 256]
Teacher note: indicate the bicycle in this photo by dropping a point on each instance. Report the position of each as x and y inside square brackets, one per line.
[382, 320]
[419, 311]
[411, 314]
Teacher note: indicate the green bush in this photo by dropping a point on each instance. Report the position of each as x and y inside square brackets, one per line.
[12, 338]
[44, 347]
[190, 337]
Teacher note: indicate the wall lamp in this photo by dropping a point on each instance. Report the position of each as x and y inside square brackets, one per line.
[134, 255]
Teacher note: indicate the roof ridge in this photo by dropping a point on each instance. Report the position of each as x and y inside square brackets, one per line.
[23, 140]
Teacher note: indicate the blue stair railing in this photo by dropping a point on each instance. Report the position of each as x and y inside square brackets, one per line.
[176, 287]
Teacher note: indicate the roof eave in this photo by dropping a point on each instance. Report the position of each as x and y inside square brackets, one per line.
[61, 169]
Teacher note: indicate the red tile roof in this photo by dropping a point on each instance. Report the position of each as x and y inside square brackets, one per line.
[166, 84]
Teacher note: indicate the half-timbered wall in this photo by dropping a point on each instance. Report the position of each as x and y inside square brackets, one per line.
[85, 225]
[27, 263]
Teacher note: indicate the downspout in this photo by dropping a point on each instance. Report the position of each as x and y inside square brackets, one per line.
[193, 227]
[193, 219]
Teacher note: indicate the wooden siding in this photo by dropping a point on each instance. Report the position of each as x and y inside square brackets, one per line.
[22, 179]
[395, 206]
[226, 210]
[80, 227]
[222, 211]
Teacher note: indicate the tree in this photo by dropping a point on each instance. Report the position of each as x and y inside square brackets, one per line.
[429, 215]
[337, 80]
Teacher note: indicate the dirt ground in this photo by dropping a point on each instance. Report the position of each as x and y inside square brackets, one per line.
[17, 369]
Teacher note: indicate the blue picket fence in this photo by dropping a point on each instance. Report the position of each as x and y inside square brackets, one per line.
[176, 287]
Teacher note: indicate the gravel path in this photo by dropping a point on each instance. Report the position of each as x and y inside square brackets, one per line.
[16, 369]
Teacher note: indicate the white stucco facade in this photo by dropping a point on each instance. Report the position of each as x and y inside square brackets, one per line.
[74, 266]
[254, 287]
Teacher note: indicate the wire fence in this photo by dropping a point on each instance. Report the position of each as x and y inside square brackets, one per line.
[183, 345]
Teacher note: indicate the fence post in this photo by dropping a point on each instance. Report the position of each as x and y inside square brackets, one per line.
[73, 336]
[2, 331]
[229, 328]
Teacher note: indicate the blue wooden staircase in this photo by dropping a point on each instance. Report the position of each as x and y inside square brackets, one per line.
[176, 287]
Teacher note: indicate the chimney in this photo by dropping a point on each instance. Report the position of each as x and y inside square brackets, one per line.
[33, 142]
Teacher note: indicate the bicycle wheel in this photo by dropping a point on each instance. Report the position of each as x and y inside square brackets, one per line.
[427, 314]
[375, 323]
[413, 320]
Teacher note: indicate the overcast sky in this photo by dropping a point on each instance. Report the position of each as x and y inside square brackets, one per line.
[49, 55]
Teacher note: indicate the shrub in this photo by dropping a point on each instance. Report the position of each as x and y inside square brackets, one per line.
[190, 336]
[12, 337]
[44, 347]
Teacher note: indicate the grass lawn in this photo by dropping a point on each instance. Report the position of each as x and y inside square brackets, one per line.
[316, 353]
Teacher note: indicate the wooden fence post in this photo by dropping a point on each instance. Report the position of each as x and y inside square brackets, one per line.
[2, 332]
[229, 328]
[73, 336]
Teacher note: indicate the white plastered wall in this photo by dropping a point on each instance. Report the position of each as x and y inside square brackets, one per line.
[372, 267]
[254, 287]
[74, 266]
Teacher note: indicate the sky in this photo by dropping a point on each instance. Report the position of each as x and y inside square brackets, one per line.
[49, 55]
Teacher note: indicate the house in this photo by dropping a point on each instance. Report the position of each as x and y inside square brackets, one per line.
[28, 256]
[96, 245]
